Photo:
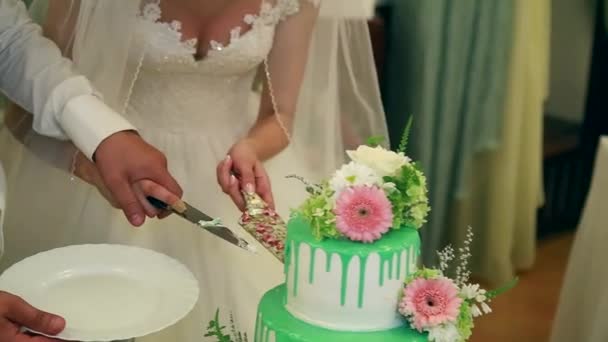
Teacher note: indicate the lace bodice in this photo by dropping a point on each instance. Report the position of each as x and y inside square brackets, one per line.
[166, 50]
[174, 91]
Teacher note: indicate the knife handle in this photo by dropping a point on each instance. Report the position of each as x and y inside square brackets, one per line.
[158, 204]
[179, 207]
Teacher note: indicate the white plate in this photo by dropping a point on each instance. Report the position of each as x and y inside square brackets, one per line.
[105, 292]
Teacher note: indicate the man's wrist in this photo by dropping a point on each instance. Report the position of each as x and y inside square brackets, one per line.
[88, 122]
[113, 135]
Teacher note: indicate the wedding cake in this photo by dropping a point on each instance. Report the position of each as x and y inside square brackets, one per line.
[348, 250]
[350, 255]
[351, 262]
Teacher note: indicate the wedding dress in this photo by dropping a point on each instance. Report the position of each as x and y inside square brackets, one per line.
[194, 111]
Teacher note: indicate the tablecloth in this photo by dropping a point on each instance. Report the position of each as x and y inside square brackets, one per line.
[583, 307]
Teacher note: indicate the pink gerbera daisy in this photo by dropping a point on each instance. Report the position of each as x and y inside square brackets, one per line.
[430, 302]
[363, 213]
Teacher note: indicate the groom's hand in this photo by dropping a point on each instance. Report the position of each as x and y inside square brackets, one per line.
[125, 160]
[16, 313]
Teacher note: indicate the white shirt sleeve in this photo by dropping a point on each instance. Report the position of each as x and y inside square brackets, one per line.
[35, 75]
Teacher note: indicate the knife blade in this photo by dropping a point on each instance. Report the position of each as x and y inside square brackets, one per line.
[197, 217]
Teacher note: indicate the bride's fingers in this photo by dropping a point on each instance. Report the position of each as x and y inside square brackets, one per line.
[152, 189]
[103, 190]
[228, 182]
[159, 192]
[223, 173]
[150, 210]
[246, 177]
[263, 186]
[234, 191]
[163, 214]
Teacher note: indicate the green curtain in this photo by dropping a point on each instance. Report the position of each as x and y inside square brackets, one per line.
[506, 183]
[447, 66]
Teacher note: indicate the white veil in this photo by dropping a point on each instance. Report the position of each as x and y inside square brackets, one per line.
[338, 108]
[340, 104]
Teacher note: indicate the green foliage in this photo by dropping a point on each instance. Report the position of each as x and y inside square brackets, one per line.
[375, 141]
[409, 198]
[465, 322]
[406, 136]
[426, 273]
[237, 335]
[510, 285]
[318, 211]
[216, 329]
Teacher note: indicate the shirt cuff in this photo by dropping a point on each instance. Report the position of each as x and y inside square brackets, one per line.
[88, 121]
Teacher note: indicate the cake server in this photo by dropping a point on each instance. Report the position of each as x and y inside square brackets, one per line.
[204, 221]
[264, 224]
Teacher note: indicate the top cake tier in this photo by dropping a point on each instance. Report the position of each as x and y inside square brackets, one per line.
[344, 285]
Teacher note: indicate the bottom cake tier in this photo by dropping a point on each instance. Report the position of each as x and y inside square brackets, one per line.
[275, 324]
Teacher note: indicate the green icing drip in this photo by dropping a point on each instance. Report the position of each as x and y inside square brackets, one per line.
[287, 259]
[275, 318]
[258, 327]
[296, 271]
[363, 263]
[266, 334]
[391, 245]
[328, 262]
[311, 271]
[399, 265]
[390, 266]
[345, 262]
[385, 257]
[407, 262]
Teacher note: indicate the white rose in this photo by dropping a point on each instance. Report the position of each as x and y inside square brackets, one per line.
[353, 174]
[384, 162]
[444, 333]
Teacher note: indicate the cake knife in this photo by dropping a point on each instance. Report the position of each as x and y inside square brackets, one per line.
[202, 220]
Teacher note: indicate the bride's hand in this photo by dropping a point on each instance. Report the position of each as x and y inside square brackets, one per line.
[86, 170]
[243, 170]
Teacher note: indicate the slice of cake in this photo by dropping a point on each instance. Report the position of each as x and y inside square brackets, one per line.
[348, 250]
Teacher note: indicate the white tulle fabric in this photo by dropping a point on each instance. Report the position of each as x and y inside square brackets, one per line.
[194, 109]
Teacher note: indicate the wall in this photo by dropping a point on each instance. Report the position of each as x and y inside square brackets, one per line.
[571, 43]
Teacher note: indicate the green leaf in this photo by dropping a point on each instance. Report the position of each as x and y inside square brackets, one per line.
[215, 329]
[375, 141]
[318, 212]
[510, 285]
[406, 136]
[465, 323]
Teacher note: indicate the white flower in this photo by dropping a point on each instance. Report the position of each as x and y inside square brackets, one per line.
[353, 174]
[481, 298]
[486, 308]
[384, 162]
[389, 186]
[319, 212]
[444, 333]
[475, 310]
[470, 291]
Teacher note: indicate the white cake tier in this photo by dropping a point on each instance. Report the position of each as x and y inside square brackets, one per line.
[357, 289]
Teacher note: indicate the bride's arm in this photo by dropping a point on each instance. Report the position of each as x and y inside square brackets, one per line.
[270, 134]
[286, 66]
